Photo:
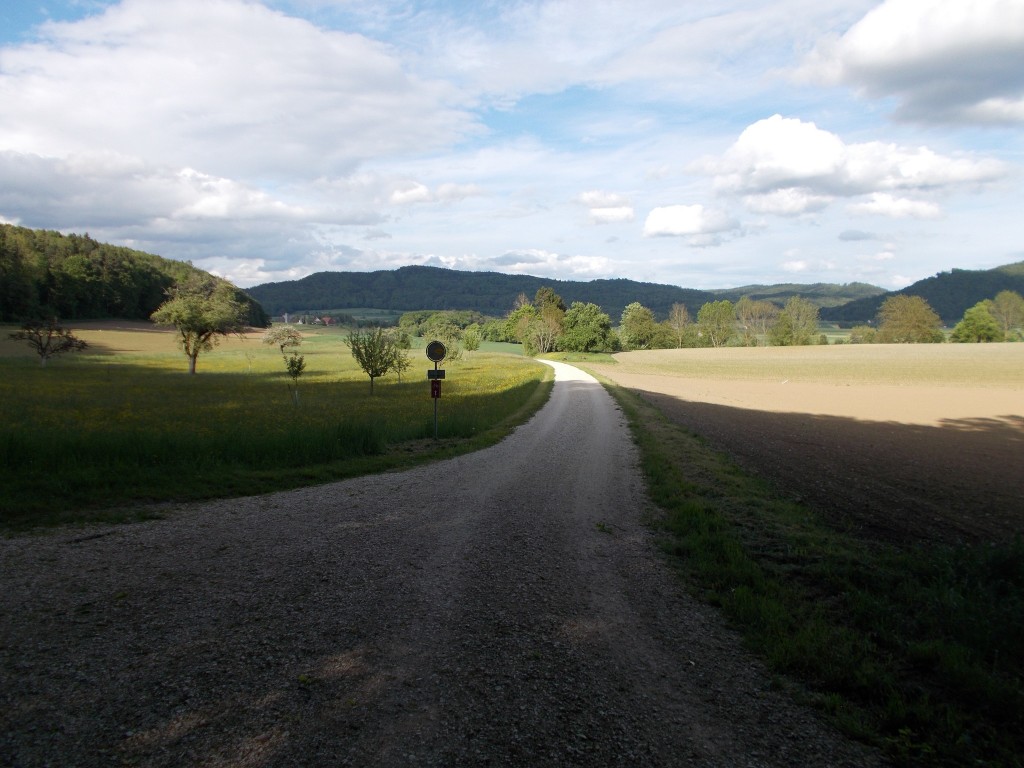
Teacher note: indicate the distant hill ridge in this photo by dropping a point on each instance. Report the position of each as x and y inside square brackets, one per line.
[494, 293]
[950, 294]
[80, 278]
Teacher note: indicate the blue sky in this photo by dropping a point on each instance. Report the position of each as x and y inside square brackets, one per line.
[704, 144]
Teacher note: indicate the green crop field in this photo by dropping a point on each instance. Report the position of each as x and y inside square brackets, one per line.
[123, 423]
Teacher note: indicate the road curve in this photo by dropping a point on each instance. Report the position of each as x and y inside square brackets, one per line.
[503, 608]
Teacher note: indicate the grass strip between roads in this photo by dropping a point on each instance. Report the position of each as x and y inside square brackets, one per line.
[915, 651]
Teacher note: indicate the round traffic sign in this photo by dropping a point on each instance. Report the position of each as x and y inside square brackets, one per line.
[436, 351]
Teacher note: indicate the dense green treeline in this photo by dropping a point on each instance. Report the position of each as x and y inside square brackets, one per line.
[73, 277]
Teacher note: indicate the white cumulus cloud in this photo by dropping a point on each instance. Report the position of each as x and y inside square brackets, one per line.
[786, 166]
[943, 60]
[616, 215]
[607, 207]
[687, 220]
[896, 207]
[227, 87]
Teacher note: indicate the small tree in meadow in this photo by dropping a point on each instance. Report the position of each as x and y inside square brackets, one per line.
[376, 352]
[287, 338]
[48, 338]
[201, 310]
[471, 338]
[283, 337]
[295, 365]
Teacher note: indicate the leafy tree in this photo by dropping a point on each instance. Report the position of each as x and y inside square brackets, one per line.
[543, 331]
[518, 322]
[638, 327]
[295, 364]
[471, 338]
[586, 329]
[376, 352]
[680, 325]
[493, 330]
[797, 324]
[401, 363]
[536, 327]
[48, 338]
[286, 338]
[716, 323]
[283, 337]
[546, 297]
[908, 320]
[978, 325]
[449, 322]
[202, 310]
[756, 318]
[1008, 310]
[862, 334]
[401, 337]
[451, 335]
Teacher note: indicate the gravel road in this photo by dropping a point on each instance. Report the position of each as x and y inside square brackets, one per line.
[504, 608]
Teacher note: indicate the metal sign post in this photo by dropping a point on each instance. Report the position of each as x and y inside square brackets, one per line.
[436, 352]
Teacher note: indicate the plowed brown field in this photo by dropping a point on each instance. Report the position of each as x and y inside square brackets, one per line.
[901, 443]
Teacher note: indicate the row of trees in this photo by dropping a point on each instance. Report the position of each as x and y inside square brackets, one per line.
[998, 319]
[910, 319]
[546, 325]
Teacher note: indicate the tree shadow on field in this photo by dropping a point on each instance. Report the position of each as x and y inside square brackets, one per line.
[960, 481]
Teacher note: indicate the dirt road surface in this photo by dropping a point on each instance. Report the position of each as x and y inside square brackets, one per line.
[504, 608]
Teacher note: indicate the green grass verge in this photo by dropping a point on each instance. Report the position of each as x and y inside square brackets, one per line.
[916, 651]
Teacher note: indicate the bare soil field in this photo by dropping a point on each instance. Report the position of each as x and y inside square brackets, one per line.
[904, 444]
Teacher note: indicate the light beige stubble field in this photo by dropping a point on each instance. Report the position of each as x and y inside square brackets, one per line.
[910, 384]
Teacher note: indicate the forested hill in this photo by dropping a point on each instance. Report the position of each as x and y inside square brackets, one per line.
[77, 278]
[493, 293]
[821, 294]
[950, 294]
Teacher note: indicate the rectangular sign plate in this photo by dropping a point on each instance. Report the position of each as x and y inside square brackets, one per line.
[435, 374]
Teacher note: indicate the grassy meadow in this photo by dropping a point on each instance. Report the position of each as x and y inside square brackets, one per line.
[122, 423]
